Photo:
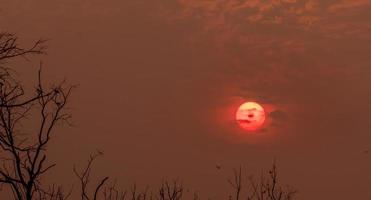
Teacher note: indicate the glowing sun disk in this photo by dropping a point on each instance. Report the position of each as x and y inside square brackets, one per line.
[250, 116]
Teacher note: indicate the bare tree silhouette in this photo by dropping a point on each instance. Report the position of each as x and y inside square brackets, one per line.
[267, 188]
[171, 191]
[236, 183]
[23, 152]
[9, 47]
[84, 178]
[167, 191]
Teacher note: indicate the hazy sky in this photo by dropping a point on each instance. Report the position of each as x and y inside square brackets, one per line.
[159, 82]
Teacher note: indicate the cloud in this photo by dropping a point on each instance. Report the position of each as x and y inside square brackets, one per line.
[345, 5]
[274, 38]
[278, 115]
[253, 19]
[277, 118]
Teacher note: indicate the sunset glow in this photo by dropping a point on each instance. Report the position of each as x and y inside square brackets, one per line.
[250, 116]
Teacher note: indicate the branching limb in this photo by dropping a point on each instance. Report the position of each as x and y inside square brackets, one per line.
[9, 47]
[84, 178]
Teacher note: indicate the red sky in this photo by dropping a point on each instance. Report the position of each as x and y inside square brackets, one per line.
[159, 82]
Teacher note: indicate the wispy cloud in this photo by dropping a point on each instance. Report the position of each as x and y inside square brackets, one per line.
[233, 17]
[288, 50]
[346, 5]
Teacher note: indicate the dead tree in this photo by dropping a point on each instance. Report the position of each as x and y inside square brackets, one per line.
[167, 191]
[23, 151]
[112, 193]
[236, 184]
[267, 188]
[171, 190]
[270, 188]
[52, 193]
[84, 178]
[9, 47]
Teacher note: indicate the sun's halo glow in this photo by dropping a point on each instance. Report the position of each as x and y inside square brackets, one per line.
[250, 116]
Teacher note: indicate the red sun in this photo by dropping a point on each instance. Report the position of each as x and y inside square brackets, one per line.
[250, 116]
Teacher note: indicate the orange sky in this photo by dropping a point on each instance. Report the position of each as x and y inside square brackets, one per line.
[159, 82]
